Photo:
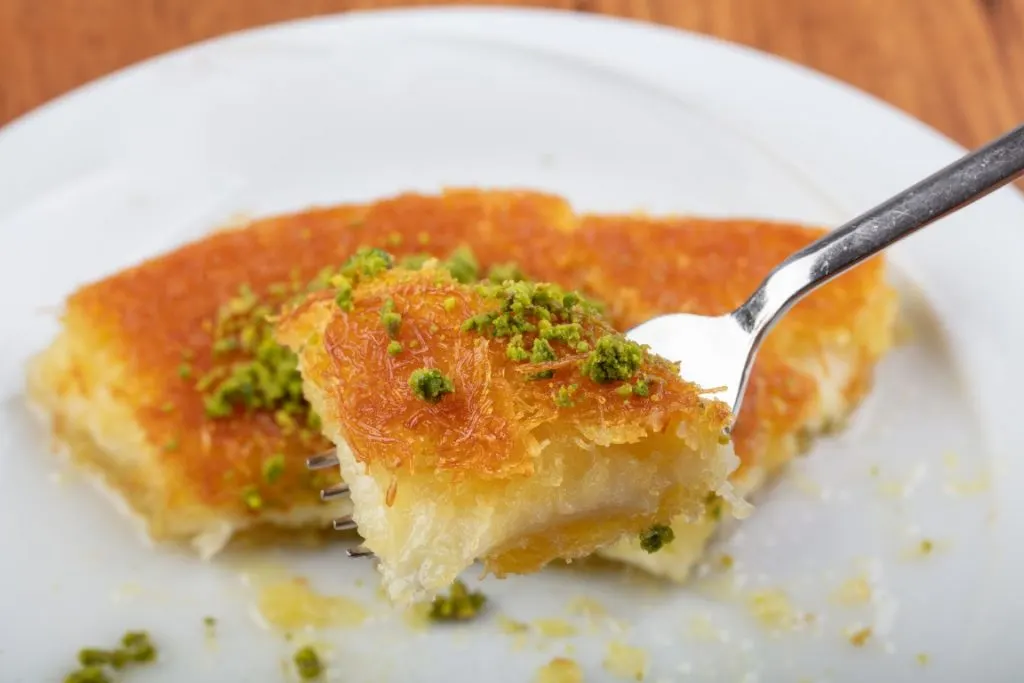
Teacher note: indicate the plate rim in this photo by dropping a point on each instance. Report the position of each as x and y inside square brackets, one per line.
[934, 147]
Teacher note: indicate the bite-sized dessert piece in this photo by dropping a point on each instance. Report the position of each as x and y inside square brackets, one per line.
[814, 367]
[505, 422]
[165, 380]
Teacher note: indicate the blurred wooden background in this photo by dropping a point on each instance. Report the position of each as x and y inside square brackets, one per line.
[956, 64]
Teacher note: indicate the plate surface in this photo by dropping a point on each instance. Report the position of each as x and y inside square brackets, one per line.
[615, 116]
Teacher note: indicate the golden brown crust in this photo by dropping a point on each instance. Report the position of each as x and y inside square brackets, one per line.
[157, 316]
[152, 316]
[485, 428]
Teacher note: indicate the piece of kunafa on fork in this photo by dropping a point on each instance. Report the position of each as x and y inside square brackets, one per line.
[507, 423]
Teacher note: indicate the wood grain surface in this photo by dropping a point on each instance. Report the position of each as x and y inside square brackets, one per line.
[956, 64]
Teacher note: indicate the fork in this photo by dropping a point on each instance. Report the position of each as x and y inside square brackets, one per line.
[719, 351]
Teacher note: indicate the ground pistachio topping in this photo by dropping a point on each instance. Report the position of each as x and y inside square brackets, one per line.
[430, 384]
[504, 272]
[463, 266]
[262, 374]
[135, 648]
[389, 318]
[257, 372]
[88, 674]
[525, 307]
[273, 468]
[641, 387]
[614, 358]
[563, 397]
[460, 604]
[414, 261]
[394, 348]
[543, 324]
[367, 262]
[307, 663]
[656, 537]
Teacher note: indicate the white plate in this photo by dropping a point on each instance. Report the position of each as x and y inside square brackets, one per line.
[615, 116]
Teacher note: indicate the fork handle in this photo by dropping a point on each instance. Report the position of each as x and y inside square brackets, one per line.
[957, 185]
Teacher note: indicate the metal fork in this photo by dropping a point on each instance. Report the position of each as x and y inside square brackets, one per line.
[720, 351]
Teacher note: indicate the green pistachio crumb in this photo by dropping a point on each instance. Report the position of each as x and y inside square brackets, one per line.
[563, 397]
[505, 272]
[625, 391]
[94, 656]
[541, 352]
[569, 333]
[167, 407]
[614, 358]
[367, 263]
[414, 261]
[582, 347]
[138, 647]
[449, 304]
[273, 468]
[423, 238]
[135, 647]
[389, 318]
[478, 323]
[225, 345]
[642, 387]
[515, 351]
[185, 370]
[343, 294]
[430, 385]
[209, 622]
[88, 674]
[394, 239]
[463, 266]
[460, 604]
[267, 376]
[284, 420]
[172, 444]
[543, 374]
[394, 348]
[252, 499]
[654, 539]
[307, 663]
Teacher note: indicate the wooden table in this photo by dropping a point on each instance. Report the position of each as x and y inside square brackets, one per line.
[956, 64]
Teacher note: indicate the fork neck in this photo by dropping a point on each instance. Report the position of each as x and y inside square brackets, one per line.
[955, 186]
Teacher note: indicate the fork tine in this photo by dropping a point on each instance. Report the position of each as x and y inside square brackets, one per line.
[325, 460]
[345, 523]
[322, 461]
[336, 491]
